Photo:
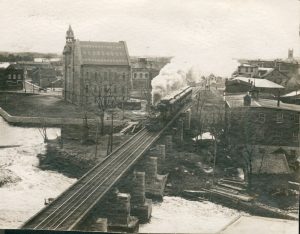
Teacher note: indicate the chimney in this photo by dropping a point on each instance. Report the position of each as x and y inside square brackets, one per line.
[247, 100]
[290, 54]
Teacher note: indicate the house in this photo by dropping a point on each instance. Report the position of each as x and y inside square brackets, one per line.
[256, 85]
[292, 97]
[268, 130]
[3, 77]
[11, 77]
[93, 70]
[143, 70]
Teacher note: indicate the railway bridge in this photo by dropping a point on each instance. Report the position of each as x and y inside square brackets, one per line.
[74, 204]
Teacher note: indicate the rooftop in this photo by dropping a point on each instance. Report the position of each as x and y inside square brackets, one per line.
[259, 83]
[234, 101]
[291, 94]
[103, 53]
[4, 65]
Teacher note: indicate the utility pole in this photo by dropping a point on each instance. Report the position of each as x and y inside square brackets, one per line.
[110, 138]
[96, 141]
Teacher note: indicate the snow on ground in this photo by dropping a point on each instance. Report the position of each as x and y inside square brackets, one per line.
[177, 215]
[21, 200]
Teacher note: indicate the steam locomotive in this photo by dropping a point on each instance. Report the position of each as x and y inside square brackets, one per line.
[167, 108]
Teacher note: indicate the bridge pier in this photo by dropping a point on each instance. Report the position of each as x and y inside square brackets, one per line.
[141, 207]
[161, 152]
[168, 143]
[155, 183]
[117, 211]
[187, 119]
[99, 225]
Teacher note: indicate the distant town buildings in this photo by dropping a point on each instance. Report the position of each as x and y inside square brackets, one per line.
[281, 71]
[94, 70]
[143, 70]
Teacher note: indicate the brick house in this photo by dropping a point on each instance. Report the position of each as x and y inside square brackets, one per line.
[271, 131]
[143, 70]
[11, 77]
[95, 69]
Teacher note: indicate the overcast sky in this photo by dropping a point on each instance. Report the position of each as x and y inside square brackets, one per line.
[202, 30]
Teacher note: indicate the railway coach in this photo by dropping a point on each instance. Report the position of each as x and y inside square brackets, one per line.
[168, 107]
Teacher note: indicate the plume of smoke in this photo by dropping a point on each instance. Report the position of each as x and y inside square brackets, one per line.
[190, 67]
[173, 76]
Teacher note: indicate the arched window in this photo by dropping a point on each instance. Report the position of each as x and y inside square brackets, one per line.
[123, 75]
[141, 75]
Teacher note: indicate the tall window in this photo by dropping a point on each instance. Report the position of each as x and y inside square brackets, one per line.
[141, 75]
[261, 117]
[105, 76]
[123, 75]
[279, 118]
[146, 75]
[295, 136]
[116, 77]
[295, 118]
[86, 89]
[135, 75]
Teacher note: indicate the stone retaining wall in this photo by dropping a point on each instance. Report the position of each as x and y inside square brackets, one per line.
[50, 120]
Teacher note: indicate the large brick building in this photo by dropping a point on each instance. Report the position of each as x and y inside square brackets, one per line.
[144, 69]
[266, 128]
[95, 69]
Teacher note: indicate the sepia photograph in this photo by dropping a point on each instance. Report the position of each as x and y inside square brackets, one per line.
[149, 116]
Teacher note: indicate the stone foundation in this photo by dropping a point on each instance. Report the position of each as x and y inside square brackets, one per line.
[155, 183]
[140, 206]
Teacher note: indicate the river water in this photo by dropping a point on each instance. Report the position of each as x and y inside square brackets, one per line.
[19, 201]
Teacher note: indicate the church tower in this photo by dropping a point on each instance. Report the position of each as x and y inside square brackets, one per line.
[70, 35]
[68, 60]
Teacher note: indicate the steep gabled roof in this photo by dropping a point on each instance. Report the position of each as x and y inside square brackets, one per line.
[103, 53]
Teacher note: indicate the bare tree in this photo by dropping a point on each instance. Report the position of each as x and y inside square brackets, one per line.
[43, 130]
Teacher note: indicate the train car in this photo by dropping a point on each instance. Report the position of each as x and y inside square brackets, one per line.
[168, 106]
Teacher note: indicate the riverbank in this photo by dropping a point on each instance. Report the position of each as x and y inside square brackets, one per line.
[74, 159]
[27, 185]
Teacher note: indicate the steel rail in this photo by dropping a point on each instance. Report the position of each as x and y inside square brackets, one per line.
[96, 191]
[95, 179]
[73, 188]
[76, 191]
[120, 175]
[90, 183]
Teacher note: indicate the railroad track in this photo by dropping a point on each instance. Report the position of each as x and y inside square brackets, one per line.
[69, 202]
[66, 211]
